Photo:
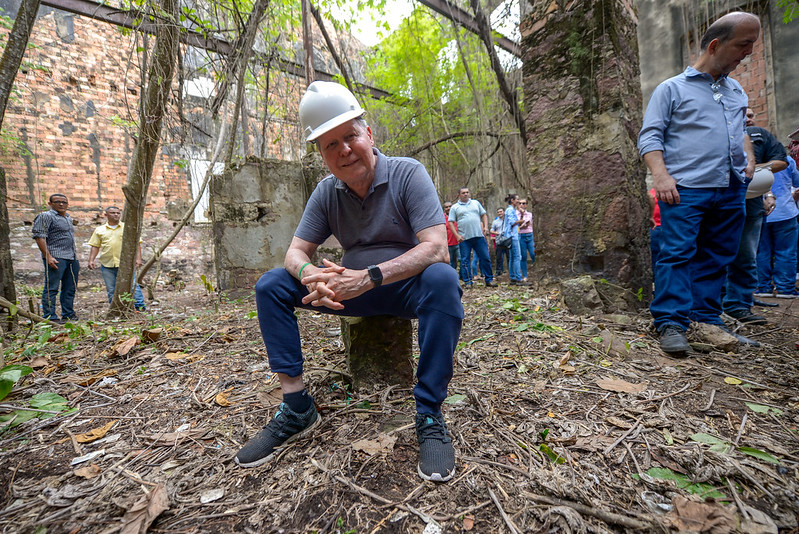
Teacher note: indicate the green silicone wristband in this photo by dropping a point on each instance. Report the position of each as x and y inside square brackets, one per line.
[299, 276]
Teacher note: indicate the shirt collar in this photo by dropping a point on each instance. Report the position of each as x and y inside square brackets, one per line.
[691, 72]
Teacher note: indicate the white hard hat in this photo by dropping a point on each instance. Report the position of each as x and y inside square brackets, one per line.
[761, 183]
[326, 105]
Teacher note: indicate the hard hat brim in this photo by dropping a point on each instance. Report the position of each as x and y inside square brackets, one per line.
[760, 184]
[334, 122]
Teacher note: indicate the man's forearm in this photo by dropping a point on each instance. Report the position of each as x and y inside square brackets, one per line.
[40, 241]
[777, 165]
[413, 262]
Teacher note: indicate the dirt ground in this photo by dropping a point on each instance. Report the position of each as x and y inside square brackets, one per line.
[561, 424]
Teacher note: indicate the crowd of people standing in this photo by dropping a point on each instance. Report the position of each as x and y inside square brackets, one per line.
[510, 234]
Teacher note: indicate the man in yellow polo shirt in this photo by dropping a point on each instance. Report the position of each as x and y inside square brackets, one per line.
[107, 241]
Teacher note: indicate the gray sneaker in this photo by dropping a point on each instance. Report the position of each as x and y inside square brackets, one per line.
[436, 453]
[286, 427]
[672, 340]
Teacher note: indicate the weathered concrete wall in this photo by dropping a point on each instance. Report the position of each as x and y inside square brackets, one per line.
[255, 209]
[785, 61]
[659, 32]
[769, 75]
[583, 102]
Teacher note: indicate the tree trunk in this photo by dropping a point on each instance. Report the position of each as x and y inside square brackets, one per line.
[307, 41]
[156, 98]
[584, 112]
[9, 65]
[507, 93]
[7, 289]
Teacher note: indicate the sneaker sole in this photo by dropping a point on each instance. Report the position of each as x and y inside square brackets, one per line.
[783, 296]
[435, 477]
[289, 441]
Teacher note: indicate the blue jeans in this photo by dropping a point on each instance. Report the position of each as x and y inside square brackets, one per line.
[433, 296]
[514, 264]
[699, 238]
[654, 245]
[478, 244]
[742, 272]
[475, 265]
[65, 275]
[503, 255]
[110, 279]
[776, 256]
[454, 256]
[527, 247]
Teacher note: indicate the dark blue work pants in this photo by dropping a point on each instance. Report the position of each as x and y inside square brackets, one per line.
[699, 239]
[433, 297]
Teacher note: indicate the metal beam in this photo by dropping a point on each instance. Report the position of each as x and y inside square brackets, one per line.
[135, 21]
[462, 17]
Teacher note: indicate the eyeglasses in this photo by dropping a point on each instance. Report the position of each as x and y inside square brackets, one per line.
[716, 88]
[60, 202]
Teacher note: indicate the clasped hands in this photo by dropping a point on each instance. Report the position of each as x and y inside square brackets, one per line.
[332, 284]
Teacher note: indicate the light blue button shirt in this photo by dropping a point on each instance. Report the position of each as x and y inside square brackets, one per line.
[784, 183]
[511, 229]
[699, 127]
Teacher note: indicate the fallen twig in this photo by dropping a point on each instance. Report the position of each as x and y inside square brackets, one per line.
[502, 512]
[662, 397]
[623, 437]
[617, 519]
[709, 402]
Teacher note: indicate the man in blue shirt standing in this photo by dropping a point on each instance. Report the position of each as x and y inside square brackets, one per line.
[54, 234]
[471, 231]
[694, 143]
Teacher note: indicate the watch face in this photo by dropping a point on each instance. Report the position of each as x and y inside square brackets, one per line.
[375, 273]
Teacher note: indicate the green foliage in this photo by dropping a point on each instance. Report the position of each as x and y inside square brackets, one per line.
[723, 447]
[10, 375]
[684, 483]
[790, 10]
[422, 64]
[209, 288]
[42, 406]
[10, 143]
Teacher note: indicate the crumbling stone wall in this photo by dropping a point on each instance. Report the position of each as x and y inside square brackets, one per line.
[255, 209]
[583, 104]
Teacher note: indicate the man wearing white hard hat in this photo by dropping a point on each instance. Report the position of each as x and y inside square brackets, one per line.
[770, 157]
[385, 212]
[694, 143]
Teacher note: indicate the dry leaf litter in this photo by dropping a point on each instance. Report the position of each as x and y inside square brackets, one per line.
[561, 424]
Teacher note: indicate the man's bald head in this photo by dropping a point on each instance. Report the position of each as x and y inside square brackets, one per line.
[724, 28]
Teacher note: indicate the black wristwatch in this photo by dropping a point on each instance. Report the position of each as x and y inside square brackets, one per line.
[375, 274]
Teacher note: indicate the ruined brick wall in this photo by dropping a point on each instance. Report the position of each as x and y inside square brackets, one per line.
[75, 100]
[583, 103]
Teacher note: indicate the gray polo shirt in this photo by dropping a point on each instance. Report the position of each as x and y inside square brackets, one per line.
[58, 232]
[401, 202]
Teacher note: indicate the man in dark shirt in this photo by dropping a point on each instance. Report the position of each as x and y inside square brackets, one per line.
[385, 213]
[742, 272]
[54, 233]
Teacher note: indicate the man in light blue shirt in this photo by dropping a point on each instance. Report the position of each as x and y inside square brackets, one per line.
[471, 232]
[694, 143]
[776, 254]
